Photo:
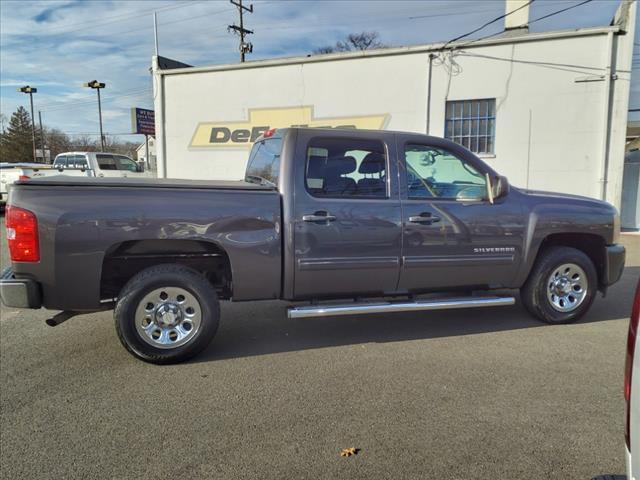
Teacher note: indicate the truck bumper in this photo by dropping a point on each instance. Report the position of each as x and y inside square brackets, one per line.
[19, 292]
[614, 264]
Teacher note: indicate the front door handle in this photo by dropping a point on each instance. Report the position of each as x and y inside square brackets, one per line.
[424, 218]
[320, 216]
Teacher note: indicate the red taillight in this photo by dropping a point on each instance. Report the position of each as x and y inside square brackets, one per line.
[22, 234]
[24, 177]
[628, 367]
[269, 133]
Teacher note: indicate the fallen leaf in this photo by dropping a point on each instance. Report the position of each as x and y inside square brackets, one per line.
[347, 452]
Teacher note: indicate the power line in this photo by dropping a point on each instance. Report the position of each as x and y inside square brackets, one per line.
[66, 106]
[558, 66]
[459, 37]
[362, 19]
[59, 132]
[115, 19]
[557, 12]
[89, 98]
[162, 24]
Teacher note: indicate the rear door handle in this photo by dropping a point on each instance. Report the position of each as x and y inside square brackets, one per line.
[425, 218]
[320, 216]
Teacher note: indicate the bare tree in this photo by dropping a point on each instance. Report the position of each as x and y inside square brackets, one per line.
[84, 143]
[115, 145]
[56, 141]
[354, 41]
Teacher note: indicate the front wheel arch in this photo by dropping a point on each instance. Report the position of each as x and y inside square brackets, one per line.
[535, 293]
[592, 245]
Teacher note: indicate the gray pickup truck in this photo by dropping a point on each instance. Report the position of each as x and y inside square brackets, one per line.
[339, 222]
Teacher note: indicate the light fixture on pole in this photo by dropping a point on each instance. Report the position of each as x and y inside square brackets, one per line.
[97, 86]
[31, 90]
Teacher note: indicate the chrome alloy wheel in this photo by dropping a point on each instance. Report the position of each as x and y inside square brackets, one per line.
[567, 287]
[168, 317]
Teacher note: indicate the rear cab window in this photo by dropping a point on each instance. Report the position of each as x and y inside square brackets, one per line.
[106, 161]
[346, 167]
[263, 167]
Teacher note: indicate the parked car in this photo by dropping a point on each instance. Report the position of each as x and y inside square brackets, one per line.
[101, 164]
[12, 172]
[9, 173]
[338, 215]
[632, 393]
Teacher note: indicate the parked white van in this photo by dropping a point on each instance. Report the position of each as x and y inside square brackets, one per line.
[101, 164]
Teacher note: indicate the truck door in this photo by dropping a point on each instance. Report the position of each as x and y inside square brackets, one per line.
[346, 221]
[452, 234]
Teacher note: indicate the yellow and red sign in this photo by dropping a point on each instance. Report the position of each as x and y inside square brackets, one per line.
[243, 133]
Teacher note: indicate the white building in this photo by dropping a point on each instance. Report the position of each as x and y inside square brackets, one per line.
[548, 110]
[141, 152]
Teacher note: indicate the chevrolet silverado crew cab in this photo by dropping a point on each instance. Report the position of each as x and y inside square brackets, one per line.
[338, 222]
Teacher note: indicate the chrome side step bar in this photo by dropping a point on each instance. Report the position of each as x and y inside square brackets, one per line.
[390, 307]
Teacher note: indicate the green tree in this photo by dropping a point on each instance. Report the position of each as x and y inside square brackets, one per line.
[16, 142]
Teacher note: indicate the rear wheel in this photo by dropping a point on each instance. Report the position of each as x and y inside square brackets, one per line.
[167, 314]
[561, 287]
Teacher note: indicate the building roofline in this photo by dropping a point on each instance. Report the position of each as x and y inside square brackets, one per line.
[385, 52]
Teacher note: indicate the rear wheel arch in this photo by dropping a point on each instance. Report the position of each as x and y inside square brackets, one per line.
[123, 260]
[167, 313]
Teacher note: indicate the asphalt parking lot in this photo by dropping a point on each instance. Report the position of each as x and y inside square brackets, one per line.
[457, 395]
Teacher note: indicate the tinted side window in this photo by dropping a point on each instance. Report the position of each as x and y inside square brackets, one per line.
[106, 162]
[264, 162]
[125, 163]
[346, 167]
[436, 172]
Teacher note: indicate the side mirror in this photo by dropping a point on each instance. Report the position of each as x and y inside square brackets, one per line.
[497, 187]
[500, 187]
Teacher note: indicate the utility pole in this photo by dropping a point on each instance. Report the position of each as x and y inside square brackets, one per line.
[97, 86]
[44, 157]
[31, 91]
[245, 47]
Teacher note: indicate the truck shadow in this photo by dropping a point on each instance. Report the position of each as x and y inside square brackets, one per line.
[260, 328]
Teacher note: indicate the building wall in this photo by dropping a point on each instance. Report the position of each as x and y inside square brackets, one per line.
[554, 128]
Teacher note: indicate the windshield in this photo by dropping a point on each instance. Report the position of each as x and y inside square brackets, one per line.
[263, 167]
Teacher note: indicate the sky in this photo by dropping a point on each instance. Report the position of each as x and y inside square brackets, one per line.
[57, 46]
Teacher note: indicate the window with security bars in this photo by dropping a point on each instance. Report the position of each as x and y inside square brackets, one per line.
[472, 124]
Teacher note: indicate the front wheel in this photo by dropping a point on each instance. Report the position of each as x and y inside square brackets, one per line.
[561, 287]
[167, 314]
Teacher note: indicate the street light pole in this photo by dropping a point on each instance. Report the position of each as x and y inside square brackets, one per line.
[100, 117]
[44, 157]
[31, 90]
[97, 86]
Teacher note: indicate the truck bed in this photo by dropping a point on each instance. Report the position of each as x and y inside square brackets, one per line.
[85, 222]
[60, 180]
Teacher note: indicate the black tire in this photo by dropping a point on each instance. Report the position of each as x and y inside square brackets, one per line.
[160, 277]
[534, 292]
